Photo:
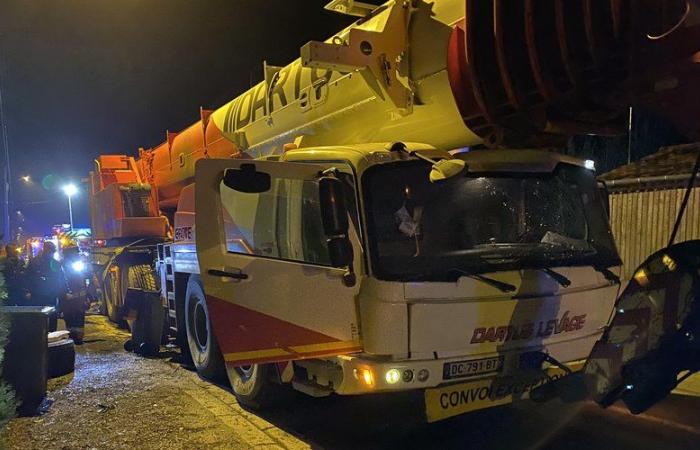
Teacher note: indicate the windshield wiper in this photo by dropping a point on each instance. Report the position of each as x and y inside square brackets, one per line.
[500, 285]
[608, 274]
[556, 276]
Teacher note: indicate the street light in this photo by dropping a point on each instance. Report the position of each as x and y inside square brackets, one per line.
[26, 178]
[70, 190]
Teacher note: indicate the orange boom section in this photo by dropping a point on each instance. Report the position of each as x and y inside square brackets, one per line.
[127, 195]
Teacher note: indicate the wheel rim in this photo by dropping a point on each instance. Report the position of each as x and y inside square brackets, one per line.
[245, 372]
[200, 322]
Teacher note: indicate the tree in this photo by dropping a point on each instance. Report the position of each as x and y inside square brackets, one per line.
[7, 398]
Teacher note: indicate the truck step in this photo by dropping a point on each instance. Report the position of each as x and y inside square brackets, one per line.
[311, 388]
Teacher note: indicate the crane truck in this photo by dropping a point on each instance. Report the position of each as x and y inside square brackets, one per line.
[372, 217]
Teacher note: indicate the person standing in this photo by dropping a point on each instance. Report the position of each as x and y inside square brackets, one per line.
[14, 272]
[74, 303]
[46, 281]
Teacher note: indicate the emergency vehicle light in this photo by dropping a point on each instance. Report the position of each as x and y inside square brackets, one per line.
[78, 266]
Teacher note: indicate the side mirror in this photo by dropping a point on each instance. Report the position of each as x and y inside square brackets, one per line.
[340, 251]
[334, 212]
[247, 179]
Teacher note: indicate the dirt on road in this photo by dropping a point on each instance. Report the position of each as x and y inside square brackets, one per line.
[118, 400]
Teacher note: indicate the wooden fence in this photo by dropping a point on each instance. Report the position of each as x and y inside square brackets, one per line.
[642, 221]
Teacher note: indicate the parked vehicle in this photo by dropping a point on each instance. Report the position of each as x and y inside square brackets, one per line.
[334, 228]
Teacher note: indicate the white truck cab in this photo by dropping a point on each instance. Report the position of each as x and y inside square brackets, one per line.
[347, 270]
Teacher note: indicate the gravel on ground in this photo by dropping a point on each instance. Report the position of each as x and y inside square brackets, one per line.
[118, 400]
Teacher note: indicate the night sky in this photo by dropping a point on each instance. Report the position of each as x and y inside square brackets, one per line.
[90, 77]
[87, 77]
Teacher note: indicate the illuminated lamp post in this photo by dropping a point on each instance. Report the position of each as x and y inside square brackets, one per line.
[70, 190]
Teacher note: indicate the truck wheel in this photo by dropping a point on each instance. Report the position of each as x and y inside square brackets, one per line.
[201, 340]
[253, 386]
[111, 293]
[143, 277]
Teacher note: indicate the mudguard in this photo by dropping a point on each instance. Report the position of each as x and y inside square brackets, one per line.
[653, 340]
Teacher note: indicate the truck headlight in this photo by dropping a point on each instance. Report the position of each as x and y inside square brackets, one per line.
[423, 375]
[392, 376]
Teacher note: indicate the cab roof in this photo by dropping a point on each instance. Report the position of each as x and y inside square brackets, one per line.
[362, 155]
[515, 160]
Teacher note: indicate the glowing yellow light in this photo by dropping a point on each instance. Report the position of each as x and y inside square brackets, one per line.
[642, 277]
[366, 376]
[392, 376]
[669, 263]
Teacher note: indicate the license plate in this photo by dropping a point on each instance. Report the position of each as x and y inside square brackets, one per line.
[462, 369]
[455, 399]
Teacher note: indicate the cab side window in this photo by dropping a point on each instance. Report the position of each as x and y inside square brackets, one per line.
[313, 239]
[284, 222]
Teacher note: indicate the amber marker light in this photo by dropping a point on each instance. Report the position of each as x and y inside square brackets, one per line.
[642, 277]
[365, 376]
[669, 262]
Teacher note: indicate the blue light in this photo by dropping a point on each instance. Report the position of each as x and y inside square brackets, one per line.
[78, 266]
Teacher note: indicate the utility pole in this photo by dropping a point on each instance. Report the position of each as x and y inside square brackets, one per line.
[70, 212]
[7, 172]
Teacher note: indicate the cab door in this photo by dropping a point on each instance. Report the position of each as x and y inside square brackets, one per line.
[271, 291]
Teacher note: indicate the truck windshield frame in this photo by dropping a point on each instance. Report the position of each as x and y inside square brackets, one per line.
[482, 222]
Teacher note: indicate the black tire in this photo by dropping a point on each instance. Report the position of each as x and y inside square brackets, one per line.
[129, 346]
[118, 280]
[254, 387]
[111, 295]
[61, 358]
[201, 341]
[97, 289]
[142, 276]
[147, 349]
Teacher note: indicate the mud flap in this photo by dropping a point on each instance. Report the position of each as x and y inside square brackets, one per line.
[653, 340]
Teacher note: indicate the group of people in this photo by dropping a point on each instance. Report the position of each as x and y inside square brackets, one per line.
[42, 282]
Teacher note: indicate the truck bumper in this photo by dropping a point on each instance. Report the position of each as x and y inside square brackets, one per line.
[362, 375]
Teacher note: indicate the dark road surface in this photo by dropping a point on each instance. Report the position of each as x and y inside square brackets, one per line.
[117, 400]
[391, 422]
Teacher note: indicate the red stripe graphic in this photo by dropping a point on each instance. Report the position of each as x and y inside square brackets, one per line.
[240, 329]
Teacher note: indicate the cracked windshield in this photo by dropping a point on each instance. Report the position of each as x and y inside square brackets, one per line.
[482, 221]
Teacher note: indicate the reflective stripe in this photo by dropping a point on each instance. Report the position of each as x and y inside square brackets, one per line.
[298, 350]
[338, 345]
[269, 353]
